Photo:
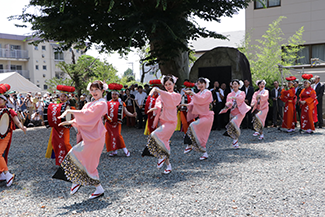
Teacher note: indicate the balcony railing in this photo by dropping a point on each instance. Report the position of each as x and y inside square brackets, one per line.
[15, 54]
[24, 73]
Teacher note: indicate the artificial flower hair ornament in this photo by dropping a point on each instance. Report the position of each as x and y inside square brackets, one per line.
[88, 86]
[241, 84]
[105, 86]
[260, 81]
[162, 79]
[173, 77]
[207, 82]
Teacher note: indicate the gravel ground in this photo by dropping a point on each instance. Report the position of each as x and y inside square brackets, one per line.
[280, 176]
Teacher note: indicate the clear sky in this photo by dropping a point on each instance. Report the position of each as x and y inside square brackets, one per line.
[14, 7]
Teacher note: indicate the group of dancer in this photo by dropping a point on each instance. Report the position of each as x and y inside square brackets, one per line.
[81, 161]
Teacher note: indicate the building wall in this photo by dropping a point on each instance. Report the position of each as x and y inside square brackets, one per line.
[41, 56]
[307, 13]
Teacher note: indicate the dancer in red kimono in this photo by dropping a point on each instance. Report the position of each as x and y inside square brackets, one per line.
[186, 99]
[59, 142]
[199, 130]
[150, 103]
[116, 110]
[308, 104]
[159, 140]
[289, 98]
[260, 107]
[8, 119]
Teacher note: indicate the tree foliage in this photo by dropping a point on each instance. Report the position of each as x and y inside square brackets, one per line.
[86, 69]
[270, 51]
[118, 25]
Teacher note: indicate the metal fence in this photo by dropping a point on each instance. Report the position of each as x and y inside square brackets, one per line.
[16, 54]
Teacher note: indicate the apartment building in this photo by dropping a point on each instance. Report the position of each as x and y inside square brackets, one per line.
[307, 13]
[36, 63]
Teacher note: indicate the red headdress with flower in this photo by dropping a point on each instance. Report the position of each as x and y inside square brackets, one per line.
[188, 84]
[65, 88]
[115, 86]
[291, 78]
[4, 88]
[155, 83]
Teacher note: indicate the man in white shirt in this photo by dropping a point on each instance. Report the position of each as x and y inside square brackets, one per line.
[139, 99]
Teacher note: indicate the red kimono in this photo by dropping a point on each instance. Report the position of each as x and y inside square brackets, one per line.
[289, 116]
[309, 109]
[6, 142]
[150, 103]
[113, 138]
[186, 99]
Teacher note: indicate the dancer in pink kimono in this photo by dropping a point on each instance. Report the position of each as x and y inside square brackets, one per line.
[260, 107]
[159, 140]
[199, 130]
[238, 108]
[80, 164]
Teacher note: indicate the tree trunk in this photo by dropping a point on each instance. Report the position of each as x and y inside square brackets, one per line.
[177, 66]
[143, 73]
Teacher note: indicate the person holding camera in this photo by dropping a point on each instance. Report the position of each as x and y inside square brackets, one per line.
[29, 103]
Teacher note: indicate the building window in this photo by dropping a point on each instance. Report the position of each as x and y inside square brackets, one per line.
[35, 47]
[43, 55]
[258, 4]
[45, 87]
[37, 85]
[15, 47]
[44, 67]
[58, 56]
[1, 66]
[36, 67]
[16, 67]
[43, 47]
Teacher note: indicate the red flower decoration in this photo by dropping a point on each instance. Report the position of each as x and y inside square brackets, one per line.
[307, 76]
[69, 89]
[188, 84]
[155, 82]
[115, 86]
[4, 88]
[291, 78]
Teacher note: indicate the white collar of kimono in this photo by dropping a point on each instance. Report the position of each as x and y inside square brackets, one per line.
[97, 101]
[238, 92]
[202, 92]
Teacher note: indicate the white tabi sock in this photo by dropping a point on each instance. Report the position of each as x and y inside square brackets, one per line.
[2, 176]
[169, 167]
[205, 154]
[99, 189]
[125, 150]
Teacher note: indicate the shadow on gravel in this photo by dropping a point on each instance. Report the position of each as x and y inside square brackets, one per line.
[84, 206]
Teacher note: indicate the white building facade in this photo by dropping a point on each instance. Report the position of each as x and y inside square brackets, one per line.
[36, 63]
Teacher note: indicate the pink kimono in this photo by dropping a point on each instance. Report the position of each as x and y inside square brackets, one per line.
[237, 113]
[199, 130]
[261, 108]
[166, 114]
[80, 164]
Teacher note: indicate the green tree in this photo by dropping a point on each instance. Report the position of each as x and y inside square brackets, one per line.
[128, 72]
[167, 25]
[53, 82]
[87, 69]
[270, 51]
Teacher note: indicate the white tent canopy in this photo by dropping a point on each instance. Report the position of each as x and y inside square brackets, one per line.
[18, 83]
